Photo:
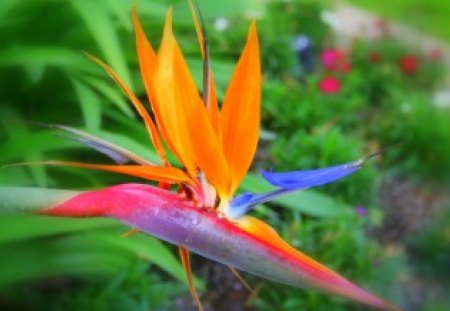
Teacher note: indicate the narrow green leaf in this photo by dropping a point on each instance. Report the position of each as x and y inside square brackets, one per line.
[21, 227]
[121, 9]
[15, 132]
[18, 148]
[90, 105]
[5, 6]
[43, 56]
[151, 249]
[31, 199]
[102, 29]
[111, 93]
[67, 256]
[228, 8]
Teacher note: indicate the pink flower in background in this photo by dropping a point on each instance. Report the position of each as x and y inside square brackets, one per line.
[335, 60]
[330, 58]
[409, 64]
[330, 85]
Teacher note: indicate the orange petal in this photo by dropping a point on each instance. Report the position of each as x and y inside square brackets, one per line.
[147, 64]
[151, 128]
[185, 116]
[241, 111]
[157, 173]
[265, 232]
[213, 108]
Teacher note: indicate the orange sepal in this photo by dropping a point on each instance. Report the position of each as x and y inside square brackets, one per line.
[241, 111]
[157, 173]
[213, 108]
[151, 128]
[148, 64]
[185, 116]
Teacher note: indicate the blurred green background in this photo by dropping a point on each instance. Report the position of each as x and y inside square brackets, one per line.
[327, 99]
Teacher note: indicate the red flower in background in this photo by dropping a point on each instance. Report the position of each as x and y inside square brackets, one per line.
[375, 57]
[409, 64]
[330, 85]
[346, 67]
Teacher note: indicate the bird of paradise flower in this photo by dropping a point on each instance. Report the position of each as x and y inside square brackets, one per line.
[215, 147]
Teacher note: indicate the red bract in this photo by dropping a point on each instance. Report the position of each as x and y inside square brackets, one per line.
[330, 85]
[409, 64]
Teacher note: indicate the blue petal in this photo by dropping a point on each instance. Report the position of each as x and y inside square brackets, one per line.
[289, 182]
[243, 203]
[240, 205]
[311, 178]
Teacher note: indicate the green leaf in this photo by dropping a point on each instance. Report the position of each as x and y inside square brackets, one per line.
[111, 93]
[102, 28]
[22, 145]
[31, 199]
[222, 8]
[32, 56]
[151, 249]
[5, 6]
[12, 231]
[90, 105]
[79, 255]
[15, 228]
[19, 132]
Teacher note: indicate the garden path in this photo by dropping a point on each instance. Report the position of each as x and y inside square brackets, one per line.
[350, 22]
